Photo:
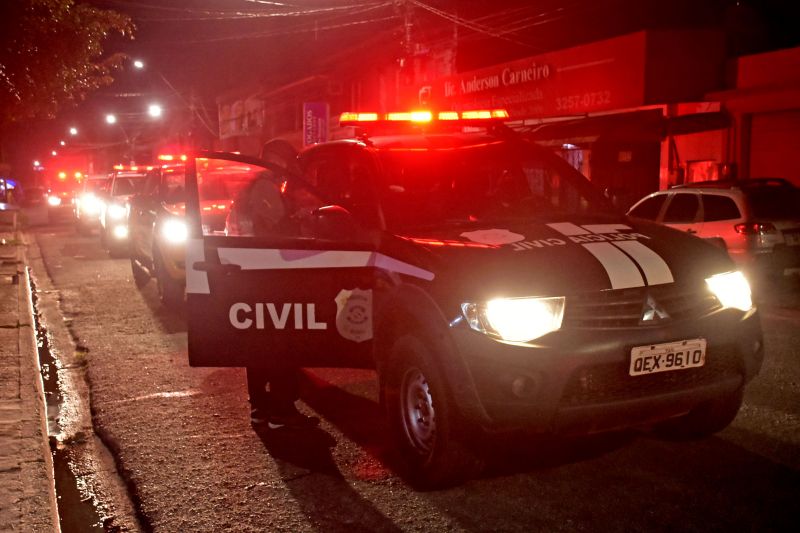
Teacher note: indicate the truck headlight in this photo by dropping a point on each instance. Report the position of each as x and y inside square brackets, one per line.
[515, 319]
[175, 231]
[732, 290]
[54, 201]
[116, 211]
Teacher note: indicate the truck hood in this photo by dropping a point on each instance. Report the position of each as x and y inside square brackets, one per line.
[560, 257]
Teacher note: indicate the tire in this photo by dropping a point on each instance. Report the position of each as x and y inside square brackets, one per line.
[140, 276]
[425, 424]
[705, 419]
[170, 292]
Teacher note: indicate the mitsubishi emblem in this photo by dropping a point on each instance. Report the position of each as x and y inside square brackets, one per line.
[653, 311]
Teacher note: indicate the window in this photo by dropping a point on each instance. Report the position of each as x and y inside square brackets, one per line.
[650, 208]
[682, 209]
[718, 207]
[346, 180]
[493, 183]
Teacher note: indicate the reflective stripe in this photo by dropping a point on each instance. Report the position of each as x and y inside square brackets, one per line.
[568, 228]
[196, 280]
[274, 259]
[607, 228]
[655, 268]
[622, 272]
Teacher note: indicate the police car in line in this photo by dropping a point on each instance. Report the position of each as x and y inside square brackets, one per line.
[124, 182]
[157, 231]
[487, 281]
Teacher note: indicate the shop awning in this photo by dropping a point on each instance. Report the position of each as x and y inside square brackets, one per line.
[637, 126]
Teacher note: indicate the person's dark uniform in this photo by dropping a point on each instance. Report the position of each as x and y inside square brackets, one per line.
[273, 390]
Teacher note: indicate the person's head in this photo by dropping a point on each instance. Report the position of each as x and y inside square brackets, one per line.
[281, 153]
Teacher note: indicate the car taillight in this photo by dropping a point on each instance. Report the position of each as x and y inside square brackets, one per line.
[754, 228]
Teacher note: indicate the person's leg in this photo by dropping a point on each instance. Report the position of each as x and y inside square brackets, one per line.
[284, 391]
[259, 397]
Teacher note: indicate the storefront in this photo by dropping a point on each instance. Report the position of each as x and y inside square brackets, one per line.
[765, 106]
[614, 108]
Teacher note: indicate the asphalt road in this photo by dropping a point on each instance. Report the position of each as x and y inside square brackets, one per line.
[184, 446]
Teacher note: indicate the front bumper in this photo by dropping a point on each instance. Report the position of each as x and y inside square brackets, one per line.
[576, 381]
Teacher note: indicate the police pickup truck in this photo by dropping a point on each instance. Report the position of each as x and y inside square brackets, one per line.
[157, 231]
[488, 283]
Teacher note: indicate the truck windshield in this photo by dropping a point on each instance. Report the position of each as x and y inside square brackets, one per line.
[125, 185]
[496, 181]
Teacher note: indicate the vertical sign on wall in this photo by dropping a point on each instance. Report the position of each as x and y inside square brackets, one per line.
[315, 122]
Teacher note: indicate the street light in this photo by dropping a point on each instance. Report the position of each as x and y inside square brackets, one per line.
[154, 110]
[138, 63]
[54, 153]
[73, 130]
[111, 119]
[62, 143]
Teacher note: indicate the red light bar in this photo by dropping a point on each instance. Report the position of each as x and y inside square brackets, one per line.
[420, 117]
[358, 117]
[171, 157]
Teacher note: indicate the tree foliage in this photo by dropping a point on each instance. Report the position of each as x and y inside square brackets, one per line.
[52, 55]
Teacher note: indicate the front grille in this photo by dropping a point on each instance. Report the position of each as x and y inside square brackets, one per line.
[622, 308]
[611, 382]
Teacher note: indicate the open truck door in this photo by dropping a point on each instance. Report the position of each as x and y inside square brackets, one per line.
[273, 270]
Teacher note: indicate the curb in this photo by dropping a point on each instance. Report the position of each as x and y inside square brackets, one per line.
[29, 350]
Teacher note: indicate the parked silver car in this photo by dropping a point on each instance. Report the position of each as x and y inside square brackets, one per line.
[756, 220]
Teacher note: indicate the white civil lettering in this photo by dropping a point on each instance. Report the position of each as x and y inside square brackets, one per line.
[279, 321]
[259, 316]
[298, 316]
[233, 316]
[311, 319]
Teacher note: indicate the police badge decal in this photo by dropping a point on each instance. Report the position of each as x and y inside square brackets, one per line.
[354, 314]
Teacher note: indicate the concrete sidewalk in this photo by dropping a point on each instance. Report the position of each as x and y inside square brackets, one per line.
[27, 491]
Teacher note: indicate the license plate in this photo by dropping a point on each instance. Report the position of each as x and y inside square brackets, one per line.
[668, 356]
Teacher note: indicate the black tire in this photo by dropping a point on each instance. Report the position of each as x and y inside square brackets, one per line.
[170, 292]
[140, 276]
[425, 424]
[705, 419]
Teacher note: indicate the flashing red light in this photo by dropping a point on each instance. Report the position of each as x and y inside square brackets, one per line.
[421, 117]
[171, 157]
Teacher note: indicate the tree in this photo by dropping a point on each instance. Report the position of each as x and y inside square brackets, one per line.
[52, 55]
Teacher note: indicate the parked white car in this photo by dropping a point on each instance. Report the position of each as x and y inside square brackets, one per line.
[756, 220]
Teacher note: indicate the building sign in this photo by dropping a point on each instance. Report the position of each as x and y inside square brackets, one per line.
[315, 122]
[600, 76]
[241, 118]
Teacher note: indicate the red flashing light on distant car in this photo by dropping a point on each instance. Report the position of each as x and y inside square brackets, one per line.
[171, 157]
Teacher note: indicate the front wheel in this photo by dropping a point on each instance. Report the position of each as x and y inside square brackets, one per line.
[705, 419]
[170, 292]
[140, 275]
[424, 422]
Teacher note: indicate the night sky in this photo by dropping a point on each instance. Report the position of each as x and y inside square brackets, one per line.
[201, 48]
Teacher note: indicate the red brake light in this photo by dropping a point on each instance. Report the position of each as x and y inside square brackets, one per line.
[754, 228]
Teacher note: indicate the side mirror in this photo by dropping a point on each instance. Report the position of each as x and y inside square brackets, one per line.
[335, 223]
